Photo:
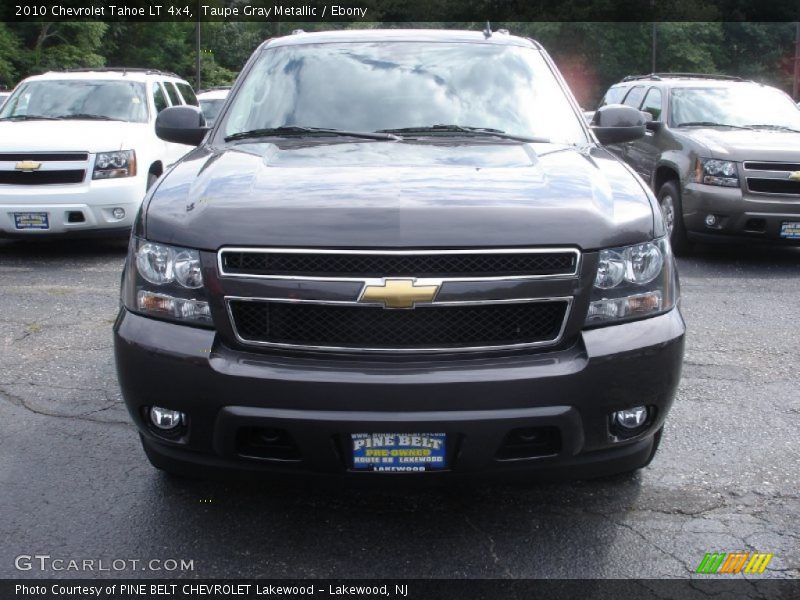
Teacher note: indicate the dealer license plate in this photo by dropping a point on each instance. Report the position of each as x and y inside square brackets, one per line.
[790, 230]
[399, 452]
[31, 220]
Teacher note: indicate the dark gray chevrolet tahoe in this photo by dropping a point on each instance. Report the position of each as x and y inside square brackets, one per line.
[400, 252]
[721, 154]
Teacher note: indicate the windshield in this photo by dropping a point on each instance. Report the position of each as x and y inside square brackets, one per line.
[369, 86]
[738, 105]
[211, 109]
[105, 99]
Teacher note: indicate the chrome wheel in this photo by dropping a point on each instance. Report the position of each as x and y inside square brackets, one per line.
[668, 210]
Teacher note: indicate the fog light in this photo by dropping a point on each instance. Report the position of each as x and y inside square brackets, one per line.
[119, 213]
[711, 220]
[166, 419]
[631, 418]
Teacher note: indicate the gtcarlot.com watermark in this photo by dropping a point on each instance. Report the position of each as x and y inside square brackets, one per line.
[47, 563]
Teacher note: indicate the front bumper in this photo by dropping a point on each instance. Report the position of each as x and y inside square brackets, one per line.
[741, 215]
[476, 401]
[93, 200]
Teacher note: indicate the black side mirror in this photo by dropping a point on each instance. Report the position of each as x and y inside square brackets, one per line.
[650, 123]
[181, 125]
[617, 123]
[653, 125]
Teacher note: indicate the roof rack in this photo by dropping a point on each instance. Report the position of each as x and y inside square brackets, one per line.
[659, 76]
[122, 70]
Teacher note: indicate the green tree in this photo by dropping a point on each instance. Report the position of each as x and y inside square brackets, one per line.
[167, 46]
[9, 49]
[689, 47]
[61, 45]
[213, 74]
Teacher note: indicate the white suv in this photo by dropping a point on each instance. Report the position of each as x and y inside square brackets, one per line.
[78, 149]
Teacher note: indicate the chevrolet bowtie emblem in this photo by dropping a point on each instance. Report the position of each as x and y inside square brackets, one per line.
[794, 175]
[27, 165]
[398, 293]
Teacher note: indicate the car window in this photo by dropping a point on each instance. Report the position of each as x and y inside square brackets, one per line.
[634, 97]
[158, 97]
[652, 103]
[614, 95]
[373, 86]
[188, 93]
[174, 97]
[79, 99]
[742, 105]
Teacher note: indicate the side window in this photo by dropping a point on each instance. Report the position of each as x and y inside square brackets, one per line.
[613, 95]
[634, 97]
[158, 97]
[188, 93]
[652, 103]
[172, 93]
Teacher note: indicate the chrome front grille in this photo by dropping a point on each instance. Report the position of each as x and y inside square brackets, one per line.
[775, 178]
[43, 168]
[392, 300]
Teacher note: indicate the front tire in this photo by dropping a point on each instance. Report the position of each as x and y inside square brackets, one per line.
[669, 200]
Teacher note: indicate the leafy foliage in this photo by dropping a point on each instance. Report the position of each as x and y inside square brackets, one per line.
[9, 48]
[50, 46]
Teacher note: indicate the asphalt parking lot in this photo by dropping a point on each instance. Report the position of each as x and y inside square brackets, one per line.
[74, 483]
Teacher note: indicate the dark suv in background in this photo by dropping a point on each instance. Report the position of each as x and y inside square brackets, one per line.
[721, 153]
[400, 252]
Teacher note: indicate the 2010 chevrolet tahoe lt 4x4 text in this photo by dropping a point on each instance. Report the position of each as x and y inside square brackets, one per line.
[400, 252]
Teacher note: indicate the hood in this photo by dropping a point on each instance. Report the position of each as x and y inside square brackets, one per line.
[74, 136]
[749, 144]
[399, 194]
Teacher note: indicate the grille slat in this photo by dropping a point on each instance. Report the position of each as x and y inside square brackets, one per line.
[45, 156]
[425, 327]
[771, 166]
[773, 186]
[510, 264]
[41, 177]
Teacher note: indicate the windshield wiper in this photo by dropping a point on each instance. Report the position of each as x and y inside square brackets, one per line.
[296, 130]
[87, 117]
[778, 127]
[29, 118]
[477, 131]
[710, 124]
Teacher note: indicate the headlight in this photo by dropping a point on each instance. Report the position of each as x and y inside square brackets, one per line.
[156, 263]
[165, 281]
[633, 282]
[110, 165]
[716, 172]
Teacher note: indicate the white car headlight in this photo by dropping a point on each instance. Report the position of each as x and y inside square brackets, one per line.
[633, 282]
[156, 263]
[165, 281]
[110, 165]
[716, 172]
